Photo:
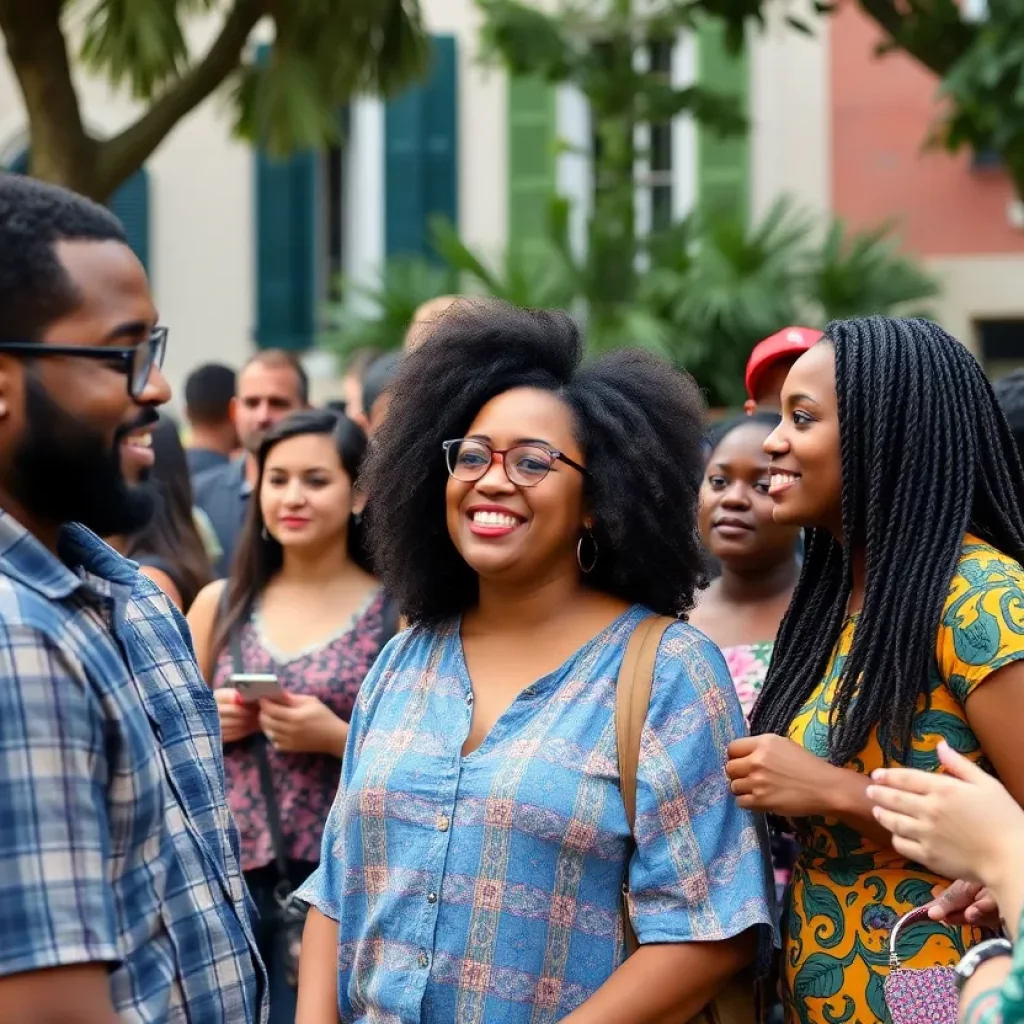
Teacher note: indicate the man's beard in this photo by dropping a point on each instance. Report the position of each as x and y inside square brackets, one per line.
[64, 471]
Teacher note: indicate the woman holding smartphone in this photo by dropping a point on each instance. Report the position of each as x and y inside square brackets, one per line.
[285, 643]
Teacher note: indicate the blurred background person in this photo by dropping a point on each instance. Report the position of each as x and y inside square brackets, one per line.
[351, 402]
[271, 385]
[769, 363]
[424, 319]
[376, 381]
[169, 548]
[212, 437]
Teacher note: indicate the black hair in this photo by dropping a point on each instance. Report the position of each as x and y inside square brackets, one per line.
[377, 378]
[638, 422]
[259, 556]
[171, 540]
[926, 457]
[282, 359]
[209, 390]
[720, 431]
[1009, 391]
[35, 289]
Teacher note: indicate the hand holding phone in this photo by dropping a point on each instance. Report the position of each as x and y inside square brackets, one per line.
[252, 687]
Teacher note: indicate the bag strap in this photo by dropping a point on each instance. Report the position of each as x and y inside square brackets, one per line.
[632, 700]
[259, 743]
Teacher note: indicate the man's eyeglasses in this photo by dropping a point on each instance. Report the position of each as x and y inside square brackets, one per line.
[525, 465]
[136, 362]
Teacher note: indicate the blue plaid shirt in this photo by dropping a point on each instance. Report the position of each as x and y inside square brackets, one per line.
[116, 844]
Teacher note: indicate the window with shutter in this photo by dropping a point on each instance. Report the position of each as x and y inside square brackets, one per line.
[421, 155]
[287, 278]
[532, 158]
[130, 204]
[723, 163]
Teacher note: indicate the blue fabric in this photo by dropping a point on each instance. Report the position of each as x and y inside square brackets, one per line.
[487, 888]
[115, 841]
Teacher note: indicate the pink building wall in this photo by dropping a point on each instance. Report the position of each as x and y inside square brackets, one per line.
[881, 112]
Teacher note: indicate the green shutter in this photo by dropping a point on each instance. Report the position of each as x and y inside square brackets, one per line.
[532, 157]
[130, 205]
[723, 164]
[421, 156]
[286, 247]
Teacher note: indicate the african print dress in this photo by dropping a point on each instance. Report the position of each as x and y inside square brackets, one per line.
[847, 892]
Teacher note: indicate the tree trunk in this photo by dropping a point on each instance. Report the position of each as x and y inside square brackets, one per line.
[62, 151]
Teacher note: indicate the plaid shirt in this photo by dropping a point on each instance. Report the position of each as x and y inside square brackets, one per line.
[489, 887]
[116, 844]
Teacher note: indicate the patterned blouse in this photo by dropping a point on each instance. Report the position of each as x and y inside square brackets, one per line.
[305, 784]
[847, 891]
[488, 887]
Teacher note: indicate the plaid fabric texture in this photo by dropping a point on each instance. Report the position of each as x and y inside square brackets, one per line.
[115, 840]
[488, 888]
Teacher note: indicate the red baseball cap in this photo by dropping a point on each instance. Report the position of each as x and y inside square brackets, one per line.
[786, 344]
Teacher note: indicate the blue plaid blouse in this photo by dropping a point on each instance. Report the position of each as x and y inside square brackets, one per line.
[116, 845]
[488, 888]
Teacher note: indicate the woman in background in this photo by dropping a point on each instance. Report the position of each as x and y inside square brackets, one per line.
[300, 605]
[169, 548]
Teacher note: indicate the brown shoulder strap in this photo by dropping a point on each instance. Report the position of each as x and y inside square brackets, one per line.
[632, 699]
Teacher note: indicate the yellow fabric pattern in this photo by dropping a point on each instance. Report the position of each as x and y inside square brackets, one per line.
[847, 893]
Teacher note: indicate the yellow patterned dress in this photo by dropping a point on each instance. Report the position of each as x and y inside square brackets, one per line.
[847, 893]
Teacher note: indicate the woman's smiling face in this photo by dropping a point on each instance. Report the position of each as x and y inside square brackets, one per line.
[806, 460]
[514, 533]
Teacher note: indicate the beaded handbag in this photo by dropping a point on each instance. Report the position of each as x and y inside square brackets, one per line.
[926, 996]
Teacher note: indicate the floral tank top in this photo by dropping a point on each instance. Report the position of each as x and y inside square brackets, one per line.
[305, 784]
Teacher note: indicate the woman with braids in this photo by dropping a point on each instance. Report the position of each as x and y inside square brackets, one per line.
[906, 630]
[528, 513]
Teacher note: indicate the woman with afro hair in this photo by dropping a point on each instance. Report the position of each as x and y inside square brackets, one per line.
[527, 511]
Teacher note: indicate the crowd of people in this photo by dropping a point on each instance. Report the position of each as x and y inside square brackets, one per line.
[507, 687]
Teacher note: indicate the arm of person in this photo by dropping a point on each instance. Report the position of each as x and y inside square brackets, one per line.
[775, 775]
[202, 618]
[318, 971]
[57, 915]
[700, 884]
[981, 998]
[59, 995]
[165, 583]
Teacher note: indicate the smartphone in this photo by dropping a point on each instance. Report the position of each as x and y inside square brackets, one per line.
[254, 686]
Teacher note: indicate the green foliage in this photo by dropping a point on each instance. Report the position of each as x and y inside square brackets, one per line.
[712, 290]
[984, 89]
[377, 317]
[325, 51]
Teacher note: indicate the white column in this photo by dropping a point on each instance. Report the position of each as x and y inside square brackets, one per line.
[574, 169]
[363, 240]
[684, 130]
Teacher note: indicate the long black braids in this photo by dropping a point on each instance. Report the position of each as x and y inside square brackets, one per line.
[927, 456]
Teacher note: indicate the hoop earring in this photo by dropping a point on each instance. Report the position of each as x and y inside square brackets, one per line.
[585, 569]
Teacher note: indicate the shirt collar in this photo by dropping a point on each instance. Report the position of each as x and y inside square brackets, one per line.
[238, 470]
[24, 558]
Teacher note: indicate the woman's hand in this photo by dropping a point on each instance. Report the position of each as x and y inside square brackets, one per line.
[773, 774]
[964, 903]
[962, 825]
[237, 720]
[300, 724]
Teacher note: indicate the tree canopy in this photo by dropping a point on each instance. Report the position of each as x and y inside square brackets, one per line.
[324, 52]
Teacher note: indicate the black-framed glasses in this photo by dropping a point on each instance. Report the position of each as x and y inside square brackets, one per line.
[136, 362]
[525, 465]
